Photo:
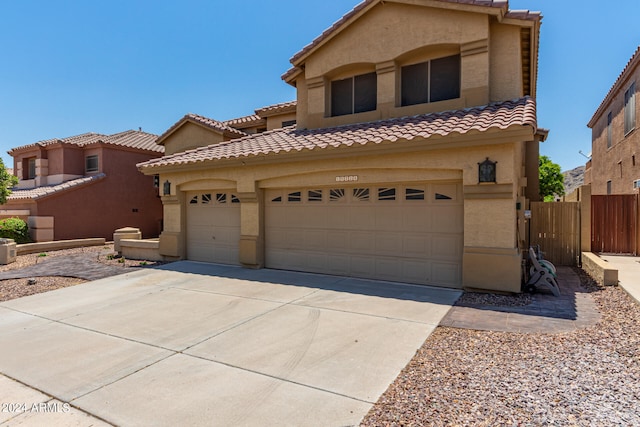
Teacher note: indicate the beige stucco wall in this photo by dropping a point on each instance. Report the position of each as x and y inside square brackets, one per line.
[189, 136]
[275, 122]
[506, 68]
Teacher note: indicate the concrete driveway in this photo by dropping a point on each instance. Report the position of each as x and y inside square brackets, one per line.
[202, 344]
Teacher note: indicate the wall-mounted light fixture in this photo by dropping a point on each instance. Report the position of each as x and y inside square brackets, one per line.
[487, 171]
[166, 190]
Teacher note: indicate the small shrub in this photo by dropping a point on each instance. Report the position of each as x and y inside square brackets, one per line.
[42, 254]
[144, 263]
[110, 257]
[16, 229]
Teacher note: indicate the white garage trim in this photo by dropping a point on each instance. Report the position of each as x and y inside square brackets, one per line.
[409, 233]
[213, 226]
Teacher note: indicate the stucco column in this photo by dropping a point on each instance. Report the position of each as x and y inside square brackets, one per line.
[251, 227]
[386, 87]
[172, 237]
[491, 259]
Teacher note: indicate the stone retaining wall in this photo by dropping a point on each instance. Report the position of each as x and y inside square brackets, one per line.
[599, 269]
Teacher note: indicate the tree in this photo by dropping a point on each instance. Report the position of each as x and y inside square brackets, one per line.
[7, 182]
[551, 179]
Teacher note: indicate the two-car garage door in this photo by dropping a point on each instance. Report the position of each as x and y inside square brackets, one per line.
[410, 233]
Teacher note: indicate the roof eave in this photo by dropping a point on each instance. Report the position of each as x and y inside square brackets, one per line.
[622, 78]
[499, 9]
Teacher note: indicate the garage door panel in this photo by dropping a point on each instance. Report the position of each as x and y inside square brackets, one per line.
[416, 218]
[362, 241]
[313, 217]
[337, 217]
[337, 240]
[388, 269]
[388, 217]
[314, 239]
[316, 261]
[416, 271]
[359, 217]
[363, 266]
[337, 264]
[388, 243]
[416, 245]
[414, 236]
[279, 216]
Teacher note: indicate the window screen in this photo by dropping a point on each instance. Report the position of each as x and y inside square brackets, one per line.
[415, 87]
[92, 163]
[354, 95]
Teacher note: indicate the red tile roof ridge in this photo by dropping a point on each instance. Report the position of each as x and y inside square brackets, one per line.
[500, 115]
[243, 120]
[134, 139]
[633, 62]
[204, 121]
[214, 124]
[128, 138]
[75, 139]
[277, 108]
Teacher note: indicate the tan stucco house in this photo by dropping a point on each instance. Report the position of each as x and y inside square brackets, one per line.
[615, 142]
[86, 185]
[413, 155]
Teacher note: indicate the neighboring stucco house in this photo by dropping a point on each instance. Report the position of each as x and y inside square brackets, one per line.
[413, 157]
[86, 186]
[615, 142]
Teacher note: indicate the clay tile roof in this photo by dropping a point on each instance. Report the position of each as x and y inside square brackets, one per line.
[284, 107]
[82, 139]
[520, 112]
[216, 125]
[131, 138]
[246, 121]
[633, 62]
[338, 25]
[40, 192]
[135, 139]
[525, 15]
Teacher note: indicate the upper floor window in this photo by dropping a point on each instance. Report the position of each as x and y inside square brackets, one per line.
[630, 109]
[354, 95]
[431, 81]
[91, 164]
[29, 168]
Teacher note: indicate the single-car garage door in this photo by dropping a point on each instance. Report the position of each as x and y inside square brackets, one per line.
[213, 227]
[409, 233]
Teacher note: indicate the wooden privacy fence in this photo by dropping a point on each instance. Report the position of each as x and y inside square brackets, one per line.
[614, 223]
[555, 226]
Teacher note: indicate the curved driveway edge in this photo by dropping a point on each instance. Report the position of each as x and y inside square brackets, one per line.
[203, 344]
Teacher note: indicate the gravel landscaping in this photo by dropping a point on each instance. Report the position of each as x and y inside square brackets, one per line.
[461, 377]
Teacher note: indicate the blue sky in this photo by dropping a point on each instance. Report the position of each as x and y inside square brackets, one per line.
[69, 67]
